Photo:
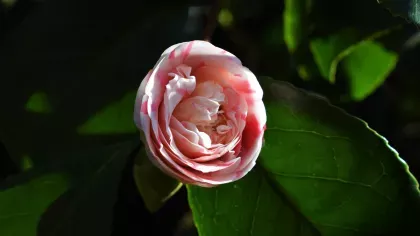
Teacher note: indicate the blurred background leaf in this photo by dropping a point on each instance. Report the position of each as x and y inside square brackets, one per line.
[154, 186]
[363, 75]
[409, 9]
[365, 63]
[72, 71]
[295, 17]
[73, 196]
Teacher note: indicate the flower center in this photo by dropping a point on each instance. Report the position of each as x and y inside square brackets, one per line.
[204, 108]
[217, 129]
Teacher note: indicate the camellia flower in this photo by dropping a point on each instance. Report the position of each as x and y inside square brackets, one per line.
[201, 114]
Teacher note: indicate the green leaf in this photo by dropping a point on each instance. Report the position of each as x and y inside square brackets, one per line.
[87, 86]
[63, 198]
[367, 66]
[115, 118]
[320, 172]
[409, 9]
[225, 18]
[325, 50]
[295, 22]
[154, 186]
[249, 206]
[38, 102]
[296, 27]
[18, 215]
[365, 62]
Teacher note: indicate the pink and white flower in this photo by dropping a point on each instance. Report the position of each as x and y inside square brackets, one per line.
[201, 114]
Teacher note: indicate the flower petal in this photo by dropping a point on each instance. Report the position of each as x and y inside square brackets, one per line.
[139, 100]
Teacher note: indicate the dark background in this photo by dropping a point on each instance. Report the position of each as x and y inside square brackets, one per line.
[86, 54]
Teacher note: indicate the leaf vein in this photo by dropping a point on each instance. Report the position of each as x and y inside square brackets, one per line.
[369, 186]
[257, 203]
[357, 230]
[310, 132]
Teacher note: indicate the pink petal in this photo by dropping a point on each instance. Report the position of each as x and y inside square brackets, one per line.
[196, 110]
[139, 98]
[188, 148]
[181, 159]
[176, 90]
[187, 133]
[218, 151]
[257, 109]
[247, 84]
[252, 138]
[187, 87]
[209, 89]
[155, 156]
[204, 139]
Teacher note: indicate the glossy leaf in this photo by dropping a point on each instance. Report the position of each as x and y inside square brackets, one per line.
[63, 198]
[155, 187]
[249, 206]
[321, 172]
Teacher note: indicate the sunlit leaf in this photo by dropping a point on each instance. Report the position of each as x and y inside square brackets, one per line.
[325, 50]
[365, 62]
[367, 67]
[320, 172]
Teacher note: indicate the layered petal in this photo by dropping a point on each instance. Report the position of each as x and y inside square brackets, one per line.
[201, 114]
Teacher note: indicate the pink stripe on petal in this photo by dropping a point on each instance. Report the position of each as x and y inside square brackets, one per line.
[162, 77]
[143, 108]
[188, 154]
[186, 51]
[251, 131]
[171, 48]
[155, 106]
[172, 54]
[251, 140]
[237, 149]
